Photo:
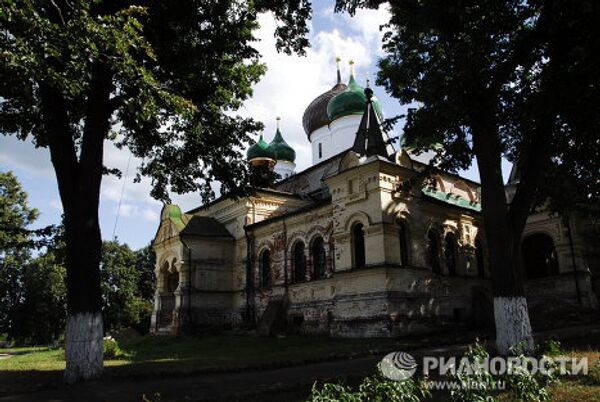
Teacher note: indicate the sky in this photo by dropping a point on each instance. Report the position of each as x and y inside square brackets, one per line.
[290, 84]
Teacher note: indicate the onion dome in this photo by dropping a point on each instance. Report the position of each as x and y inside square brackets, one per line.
[351, 101]
[283, 152]
[315, 115]
[260, 150]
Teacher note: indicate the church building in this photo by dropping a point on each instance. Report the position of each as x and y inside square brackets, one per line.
[368, 241]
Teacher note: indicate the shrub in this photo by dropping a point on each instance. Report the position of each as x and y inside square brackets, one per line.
[376, 388]
[111, 348]
[549, 348]
[477, 385]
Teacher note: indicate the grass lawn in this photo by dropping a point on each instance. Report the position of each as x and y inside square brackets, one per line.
[581, 388]
[28, 369]
[36, 367]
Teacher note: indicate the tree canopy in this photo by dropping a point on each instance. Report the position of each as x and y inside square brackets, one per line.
[161, 78]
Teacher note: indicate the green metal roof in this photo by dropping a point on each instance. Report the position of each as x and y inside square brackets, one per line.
[260, 150]
[351, 101]
[281, 148]
[174, 214]
[451, 199]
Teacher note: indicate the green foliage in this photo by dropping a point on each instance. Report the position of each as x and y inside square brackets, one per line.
[476, 385]
[175, 72]
[111, 349]
[126, 277]
[41, 317]
[549, 347]
[375, 388]
[526, 386]
[145, 261]
[15, 213]
[15, 217]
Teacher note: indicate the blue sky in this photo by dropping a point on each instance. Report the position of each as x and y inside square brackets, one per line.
[288, 87]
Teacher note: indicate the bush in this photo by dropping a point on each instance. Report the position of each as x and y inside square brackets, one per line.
[111, 348]
[376, 388]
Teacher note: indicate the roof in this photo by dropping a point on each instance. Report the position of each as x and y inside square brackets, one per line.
[315, 115]
[350, 101]
[205, 226]
[282, 150]
[260, 150]
[452, 199]
[310, 207]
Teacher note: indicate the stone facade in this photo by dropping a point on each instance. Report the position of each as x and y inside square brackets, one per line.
[347, 249]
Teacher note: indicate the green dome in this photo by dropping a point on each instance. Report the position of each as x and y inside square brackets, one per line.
[260, 150]
[351, 101]
[283, 152]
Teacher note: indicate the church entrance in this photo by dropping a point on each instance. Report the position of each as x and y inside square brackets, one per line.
[170, 282]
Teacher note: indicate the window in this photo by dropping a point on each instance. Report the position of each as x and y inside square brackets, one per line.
[299, 262]
[402, 238]
[479, 257]
[318, 257]
[265, 269]
[358, 245]
[539, 256]
[450, 254]
[433, 252]
[172, 281]
[320, 150]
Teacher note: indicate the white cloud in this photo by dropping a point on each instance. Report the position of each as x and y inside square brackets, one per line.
[292, 82]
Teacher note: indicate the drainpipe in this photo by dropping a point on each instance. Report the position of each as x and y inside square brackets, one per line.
[573, 260]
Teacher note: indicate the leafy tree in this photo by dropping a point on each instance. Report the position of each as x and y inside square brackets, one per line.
[145, 262]
[15, 217]
[161, 78]
[42, 314]
[514, 79]
[124, 302]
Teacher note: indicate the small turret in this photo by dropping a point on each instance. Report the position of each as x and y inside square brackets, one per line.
[284, 154]
[260, 154]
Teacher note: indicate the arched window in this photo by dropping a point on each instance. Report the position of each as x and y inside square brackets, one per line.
[403, 239]
[433, 251]
[318, 258]
[265, 269]
[479, 257]
[358, 245]
[539, 256]
[299, 259]
[450, 249]
[172, 281]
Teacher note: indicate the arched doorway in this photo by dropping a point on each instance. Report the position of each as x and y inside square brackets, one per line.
[539, 256]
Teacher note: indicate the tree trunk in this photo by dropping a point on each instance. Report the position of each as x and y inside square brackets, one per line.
[79, 187]
[510, 306]
[84, 333]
